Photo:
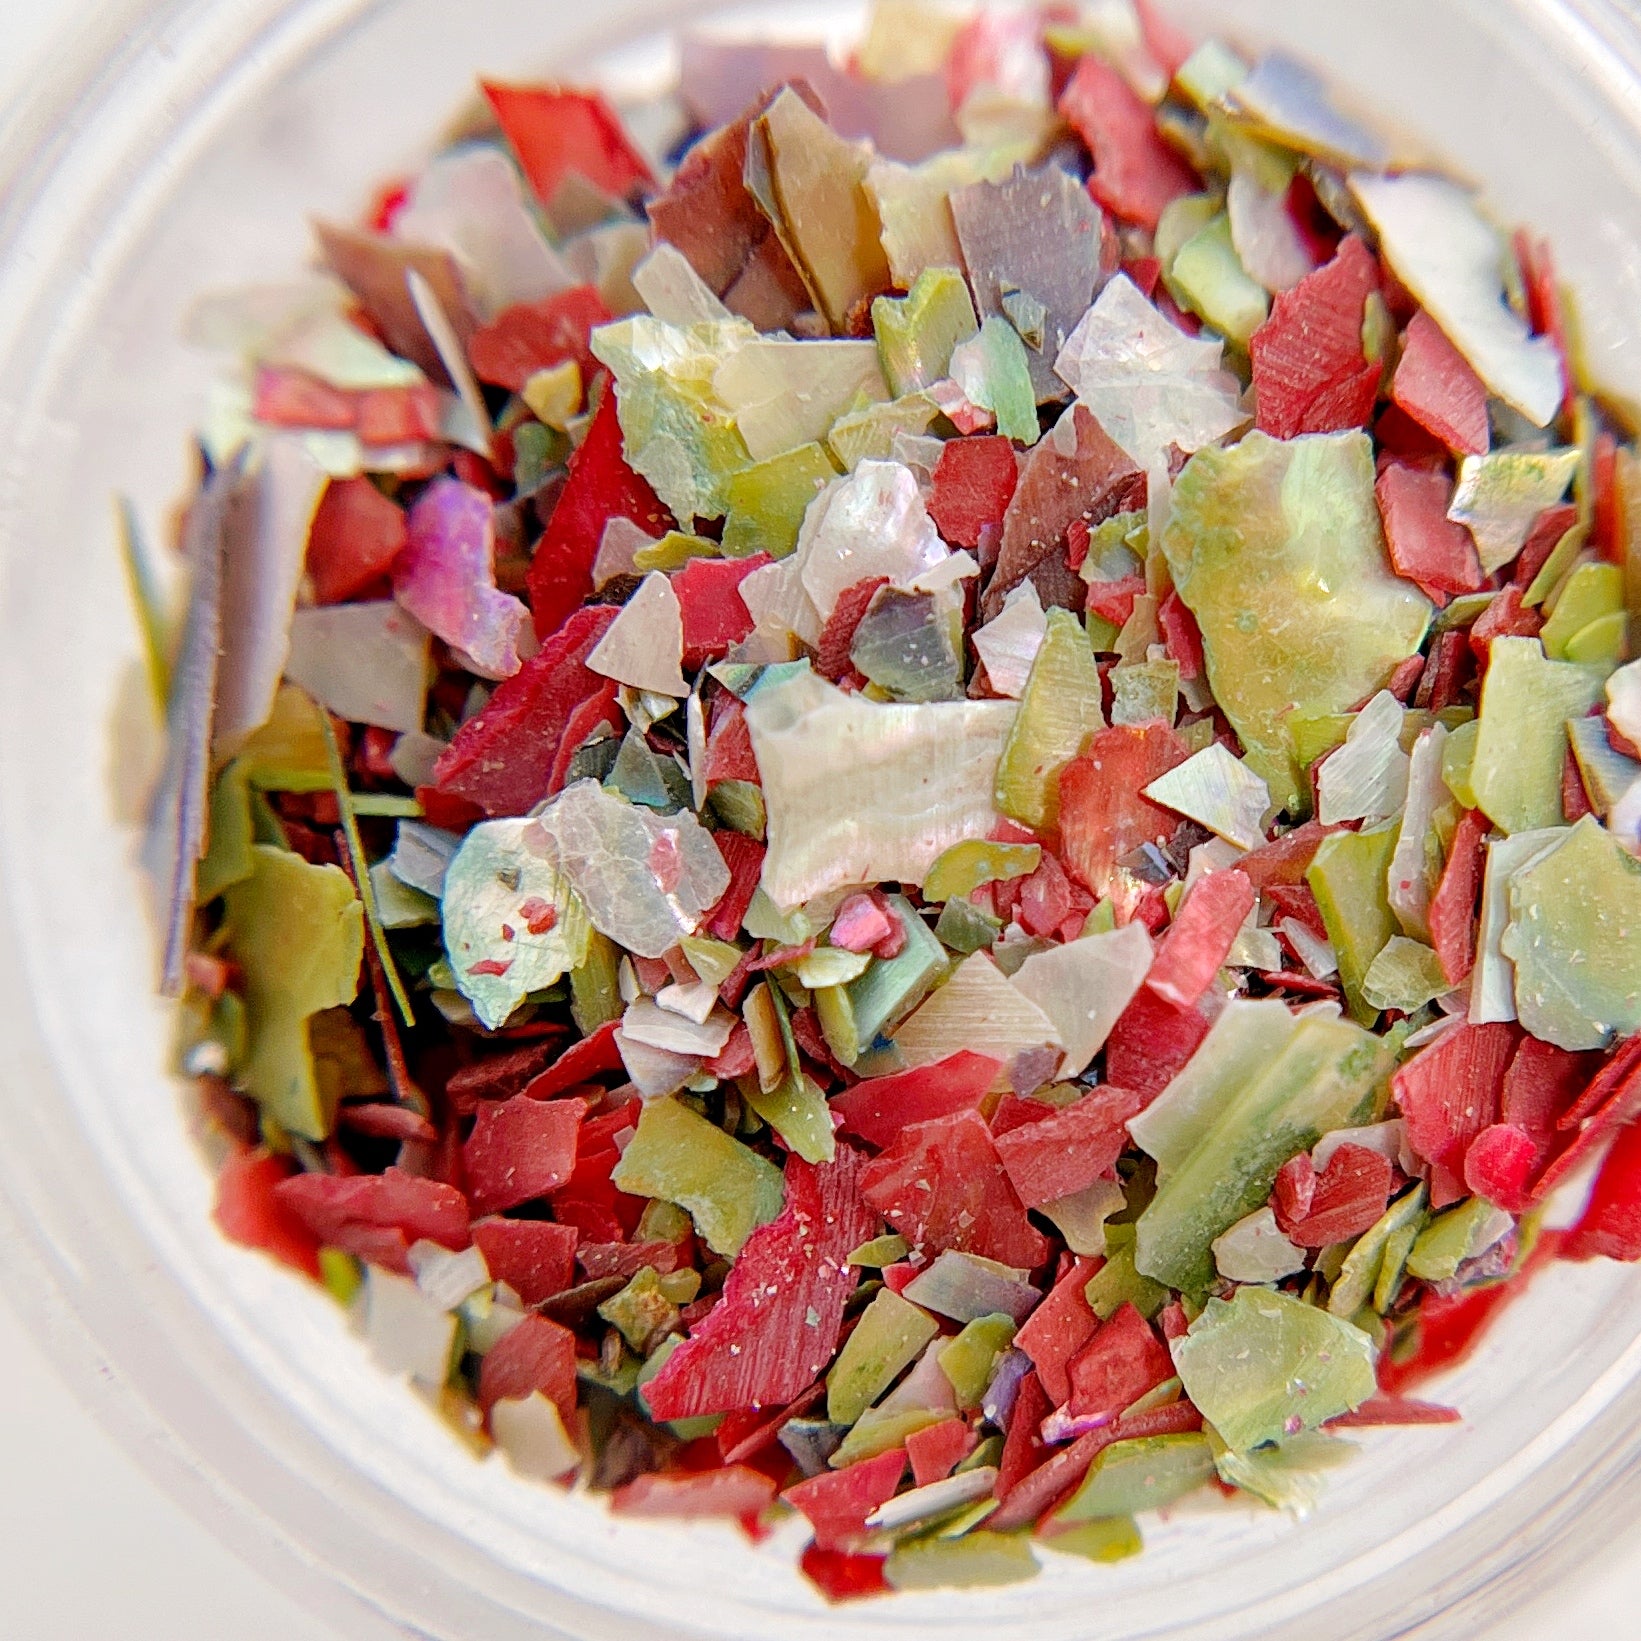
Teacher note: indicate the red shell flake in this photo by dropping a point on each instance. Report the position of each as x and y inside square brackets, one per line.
[733, 1490]
[1505, 617]
[520, 1149]
[1044, 900]
[535, 336]
[837, 639]
[710, 217]
[600, 487]
[1610, 1226]
[729, 747]
[744, 857]
[1200, 937]
[1113, 601]
[1344, 1200]
[840, 1576]
[1103, 815]
[624, 1259]
[709, 598]
[1070, 1148]
[1448, 1093]
[837, 1502]
[880, 1107]
[1427, 546]
[1181, 636]
[942, 1185]
[1097, 480]
[1453, 906]
[556, 134]
[1499, 1165]
[974, 482]
[757, 1346]
[1393, 1410]
[250, 1211]
[501, 760]
[377, 1216]
[285, 397]
[1023, 1446]
[1435, 385]
[536, 1354]
[398, 415]
[1123, 1360]
[534, 1257]
[1310, 373]
[1151, 1042]
[356, 535]
[591, 1057]
[1449, 1326]
[1060, 1326]
[1136, 174]
[936, 1450]
[1612, 1100]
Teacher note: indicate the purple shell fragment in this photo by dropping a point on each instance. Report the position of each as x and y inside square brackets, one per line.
[446, 578]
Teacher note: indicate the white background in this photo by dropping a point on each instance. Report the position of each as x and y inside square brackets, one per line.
[91, 1550]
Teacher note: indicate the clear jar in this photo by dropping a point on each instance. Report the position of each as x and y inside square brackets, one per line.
[183, 148]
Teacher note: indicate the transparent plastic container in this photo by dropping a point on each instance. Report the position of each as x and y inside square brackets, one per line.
[182, 147]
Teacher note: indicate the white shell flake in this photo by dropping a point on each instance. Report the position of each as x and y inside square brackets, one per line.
[1084, 985]
[644, 647]
[367, 663]
[979, 1009]
[1450, 257]
[1147, 382]
[1009, 643]
[858, 791]
[645, 879]
[470, 202]
[1500, 496]
[1218, 790]
[1366, 779]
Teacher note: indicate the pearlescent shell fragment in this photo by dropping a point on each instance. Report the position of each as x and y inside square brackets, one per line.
[495, 889]
[1451, 258]
[470, 202]
[785, 394]
[1084, 985]
[1366, 779]
[1277, 549]
[862, 792]
[1009, 643]
[646, 880]
[1288, 101]
[873, 523]
[1216, 789]
[1264, 1365]
[1492, 982]
[1500, 496]
[979, 1009]
[644, 647]
[1148, 383]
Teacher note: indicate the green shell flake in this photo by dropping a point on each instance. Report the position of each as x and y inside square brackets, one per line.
[1521, 742]
[678, 1156]
[1321, 1080]
[297, 932]
[1276, 547]
[1574, 936]
[512, 925]
[1263, 1366]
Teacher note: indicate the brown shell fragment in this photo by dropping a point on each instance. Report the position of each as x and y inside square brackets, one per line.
[1076, 472]
[708, 214]
[374, 267]
[1040, 234]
